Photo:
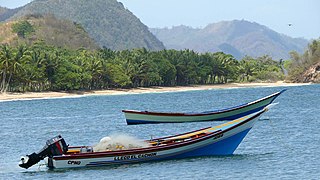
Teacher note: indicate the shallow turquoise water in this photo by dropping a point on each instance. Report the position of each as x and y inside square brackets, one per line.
[284, 144]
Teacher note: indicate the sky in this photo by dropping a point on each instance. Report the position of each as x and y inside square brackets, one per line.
[303, 15]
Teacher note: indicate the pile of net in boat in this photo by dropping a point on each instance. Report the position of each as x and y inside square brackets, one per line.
[119, 142]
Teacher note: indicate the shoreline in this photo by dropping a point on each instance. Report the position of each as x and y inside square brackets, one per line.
[140, 90]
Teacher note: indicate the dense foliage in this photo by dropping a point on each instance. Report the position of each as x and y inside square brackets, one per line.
[22, 28]
[300, 63]
[40, 68]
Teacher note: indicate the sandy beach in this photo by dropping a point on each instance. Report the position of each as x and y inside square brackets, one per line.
[38, 95]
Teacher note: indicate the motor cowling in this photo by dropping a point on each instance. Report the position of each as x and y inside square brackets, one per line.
[54, 146]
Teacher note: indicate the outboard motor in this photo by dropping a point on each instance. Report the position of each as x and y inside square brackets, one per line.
[54, 146]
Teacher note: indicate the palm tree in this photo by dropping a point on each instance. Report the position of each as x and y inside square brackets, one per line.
[5, 58]
[247, 68]
[11, 63]
[218, 67]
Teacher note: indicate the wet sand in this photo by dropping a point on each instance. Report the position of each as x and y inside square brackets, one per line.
[38, 95]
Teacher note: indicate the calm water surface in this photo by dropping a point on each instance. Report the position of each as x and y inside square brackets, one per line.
[284, 144]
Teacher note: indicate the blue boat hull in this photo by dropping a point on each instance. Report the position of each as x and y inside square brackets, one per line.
[224, 147]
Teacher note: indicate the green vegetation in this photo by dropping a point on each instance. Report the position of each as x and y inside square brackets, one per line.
[22, 28]
[40, 67]
[299, 64]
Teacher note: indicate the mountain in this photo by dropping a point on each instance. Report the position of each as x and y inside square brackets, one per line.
[3, 10]
[55, 32]
[6, 13]
[237, 37]
[106, 21]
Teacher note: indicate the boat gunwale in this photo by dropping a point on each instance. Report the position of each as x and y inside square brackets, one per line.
[154, 148]
[206, 113]
[165, 137]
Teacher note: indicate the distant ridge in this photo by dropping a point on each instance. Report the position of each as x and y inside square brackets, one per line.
[3, 10]
[6, 13]
[237, 37]
[106, 21]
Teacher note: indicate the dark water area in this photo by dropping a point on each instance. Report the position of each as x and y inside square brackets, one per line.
[284, 144]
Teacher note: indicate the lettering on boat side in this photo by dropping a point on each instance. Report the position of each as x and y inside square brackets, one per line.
[139, 156]
[74, 162]
[218, 136]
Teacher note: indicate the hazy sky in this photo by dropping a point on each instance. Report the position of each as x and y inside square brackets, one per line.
[304, 15]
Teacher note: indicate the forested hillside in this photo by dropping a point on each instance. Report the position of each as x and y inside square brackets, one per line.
[54, 32]
[106, 21]
[305, 67]
[237, 37]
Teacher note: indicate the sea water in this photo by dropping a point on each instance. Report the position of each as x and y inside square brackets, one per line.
[284, 144]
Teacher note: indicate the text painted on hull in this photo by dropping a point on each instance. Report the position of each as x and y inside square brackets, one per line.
[74, 162]
[139, 156]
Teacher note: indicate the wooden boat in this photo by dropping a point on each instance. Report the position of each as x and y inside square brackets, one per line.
[147, 117]
[219, 140]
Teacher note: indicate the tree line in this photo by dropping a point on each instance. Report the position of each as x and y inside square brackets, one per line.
[302, 62]
[40, 67]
